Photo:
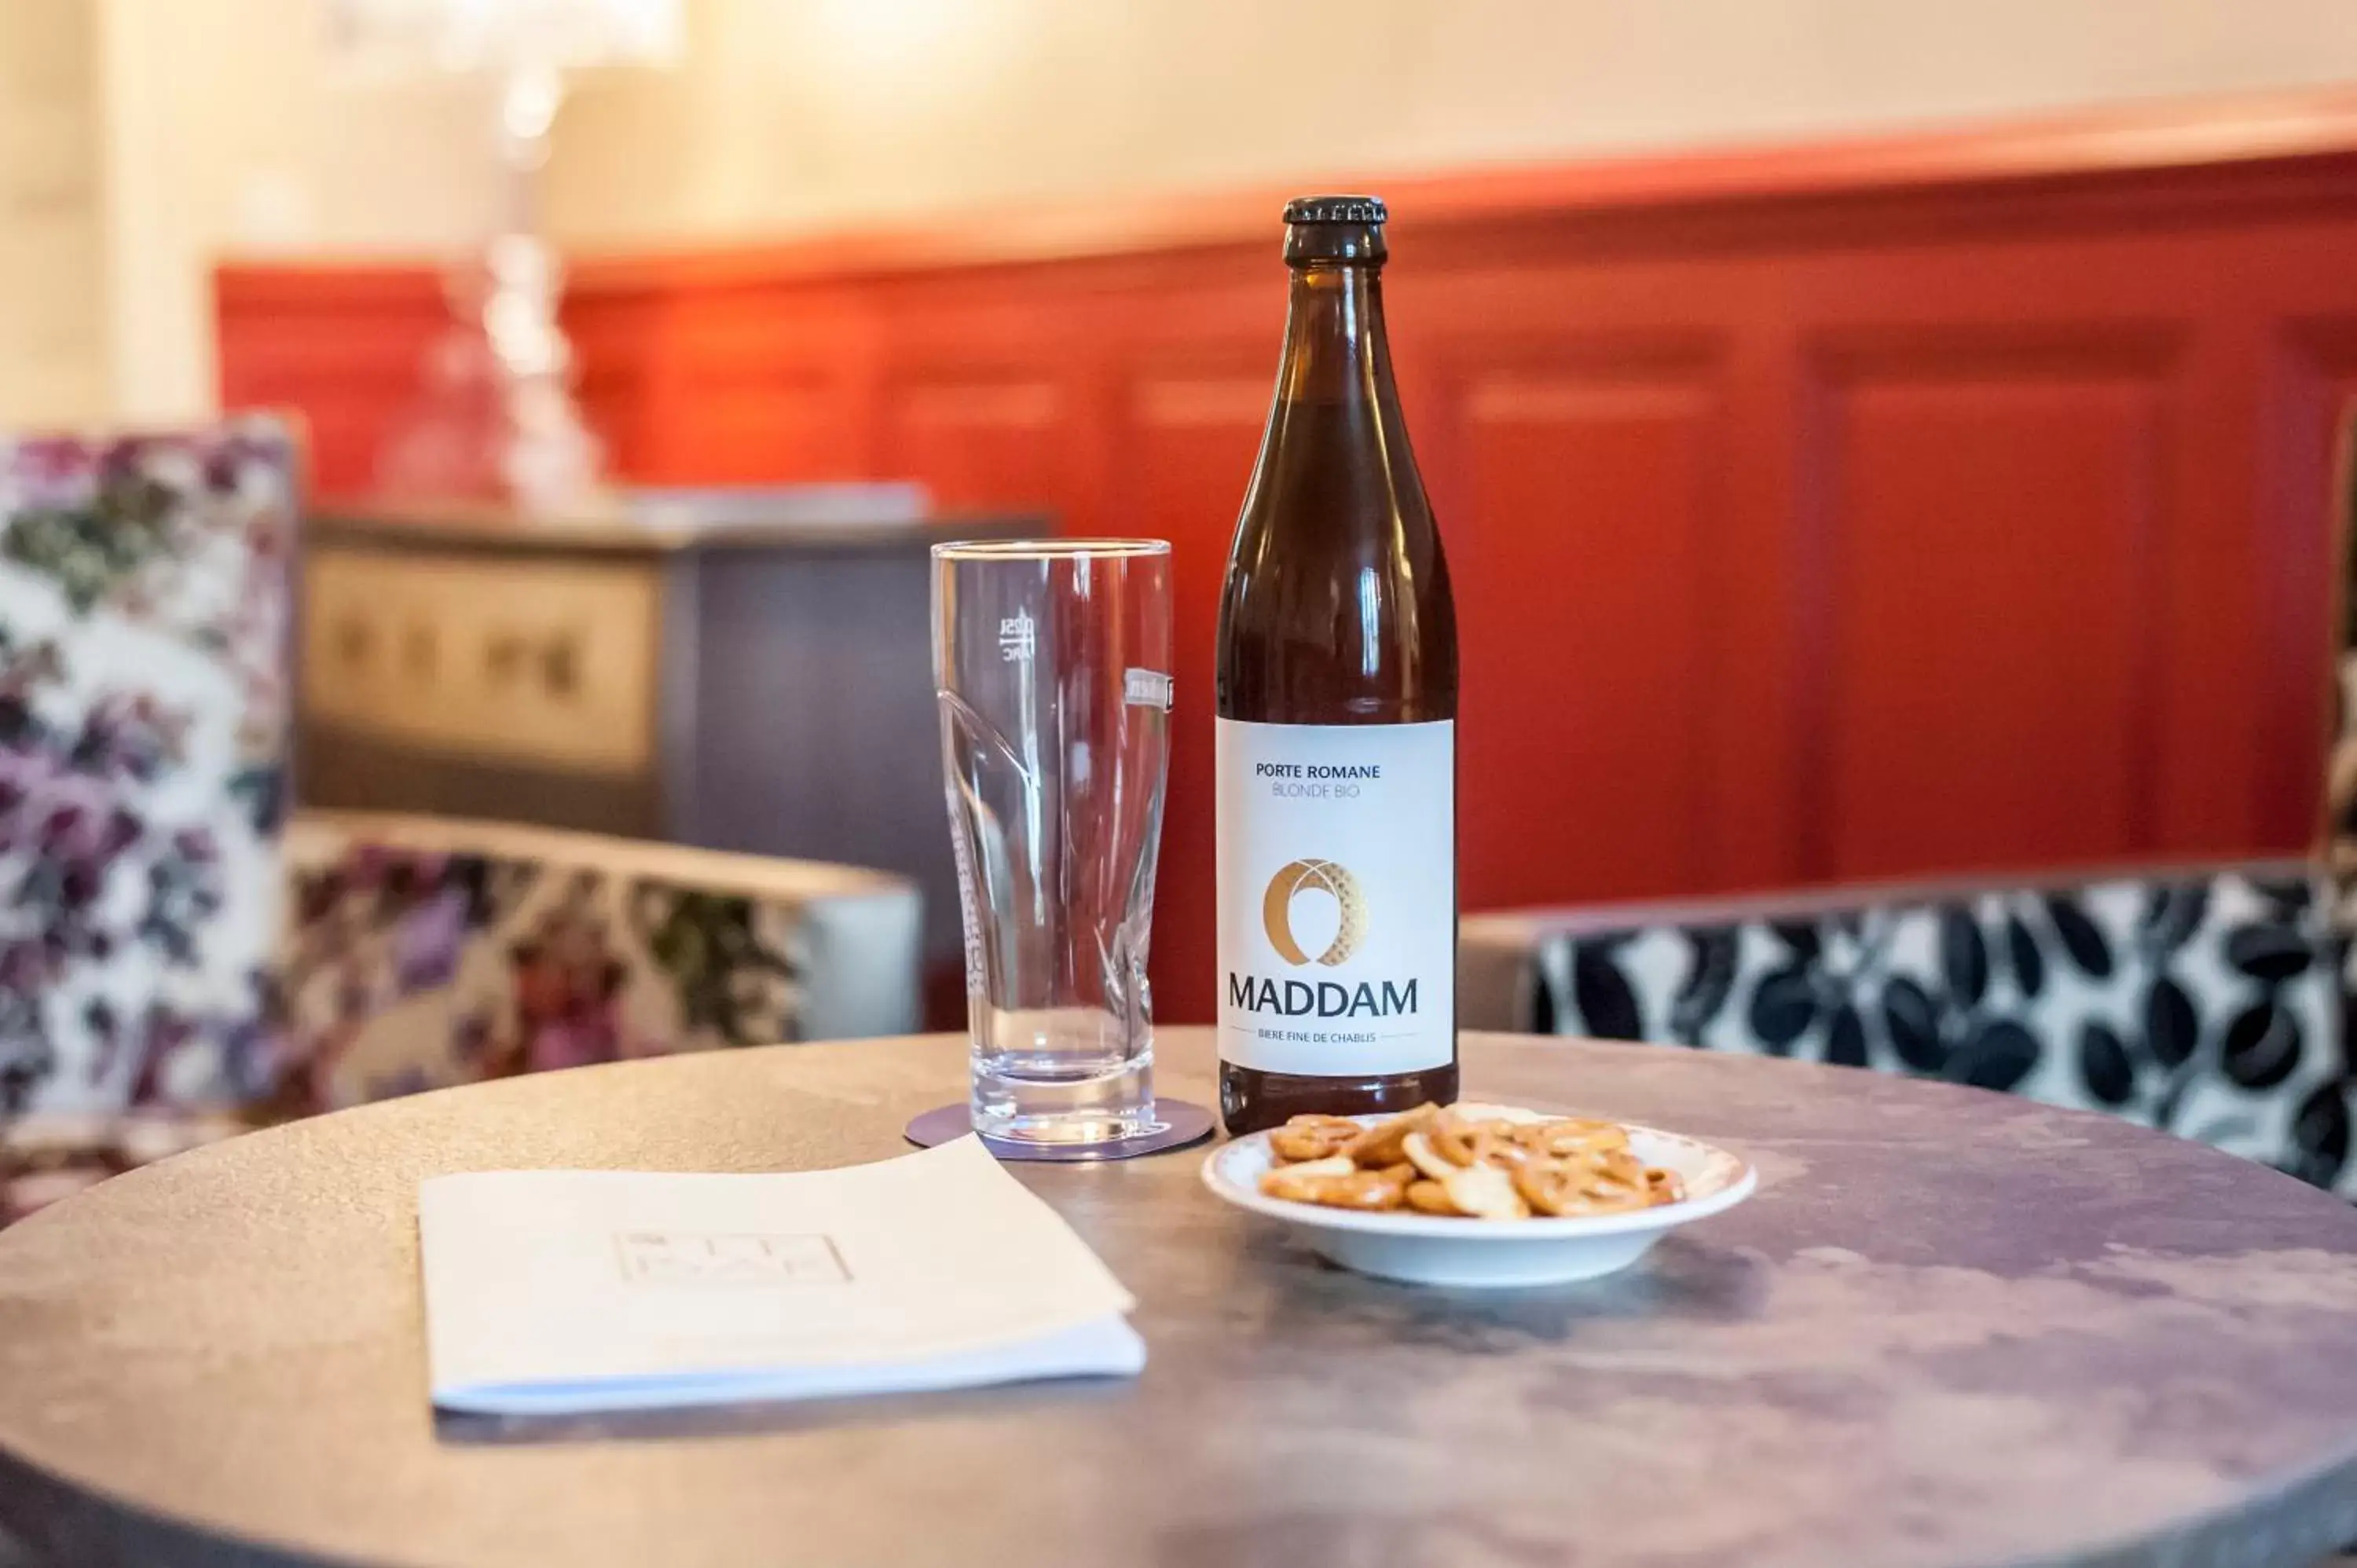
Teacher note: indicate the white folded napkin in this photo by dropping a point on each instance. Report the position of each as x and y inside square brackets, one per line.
[556, 1292]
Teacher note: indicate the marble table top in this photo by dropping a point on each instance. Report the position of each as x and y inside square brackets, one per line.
[1953, 1329]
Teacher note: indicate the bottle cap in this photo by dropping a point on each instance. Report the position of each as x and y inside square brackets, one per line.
[1335, 209]
[1334, 229]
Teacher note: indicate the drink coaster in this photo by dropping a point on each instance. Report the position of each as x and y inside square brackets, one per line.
[1178, 1123]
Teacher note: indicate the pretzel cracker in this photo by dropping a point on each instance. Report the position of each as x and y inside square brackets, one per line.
[1487, 1162]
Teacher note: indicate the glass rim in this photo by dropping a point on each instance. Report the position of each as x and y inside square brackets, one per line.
[1049, 549]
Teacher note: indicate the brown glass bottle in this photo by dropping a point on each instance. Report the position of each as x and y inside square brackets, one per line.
[1337, 707]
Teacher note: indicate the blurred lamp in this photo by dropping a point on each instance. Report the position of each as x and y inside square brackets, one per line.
[495, 420]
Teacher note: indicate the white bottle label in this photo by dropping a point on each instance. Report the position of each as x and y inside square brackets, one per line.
[1338, 896]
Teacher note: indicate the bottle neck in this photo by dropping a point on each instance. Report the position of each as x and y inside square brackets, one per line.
[1335, 349]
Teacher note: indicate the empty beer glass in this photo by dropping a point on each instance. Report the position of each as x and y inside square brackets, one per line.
[1051, 660]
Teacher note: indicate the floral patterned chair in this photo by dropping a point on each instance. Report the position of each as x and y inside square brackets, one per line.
[177, 961]
[143, 608]
[418, 954]
[421, 953]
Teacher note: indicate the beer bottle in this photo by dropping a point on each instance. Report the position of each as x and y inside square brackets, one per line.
[1336, 746]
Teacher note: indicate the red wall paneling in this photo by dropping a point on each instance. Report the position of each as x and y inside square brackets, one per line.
[1995, 508]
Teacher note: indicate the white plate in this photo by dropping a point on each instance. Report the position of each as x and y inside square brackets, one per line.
[1427, 1249]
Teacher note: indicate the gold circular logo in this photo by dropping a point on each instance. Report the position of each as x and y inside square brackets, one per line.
[1276, 910]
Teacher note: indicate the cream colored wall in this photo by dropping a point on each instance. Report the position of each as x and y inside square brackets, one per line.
[142, 139]
[226, 133]
[53, 365]
[797, 114]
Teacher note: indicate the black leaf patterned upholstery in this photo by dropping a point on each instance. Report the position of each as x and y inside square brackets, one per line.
[2204, 1001]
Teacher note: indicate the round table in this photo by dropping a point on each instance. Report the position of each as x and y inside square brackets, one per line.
[1952, 1327]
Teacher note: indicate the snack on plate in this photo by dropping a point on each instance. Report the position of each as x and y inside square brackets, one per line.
[1474, 1162]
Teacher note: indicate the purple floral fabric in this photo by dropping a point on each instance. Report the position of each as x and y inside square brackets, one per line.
[144, 606]
[408, 969]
